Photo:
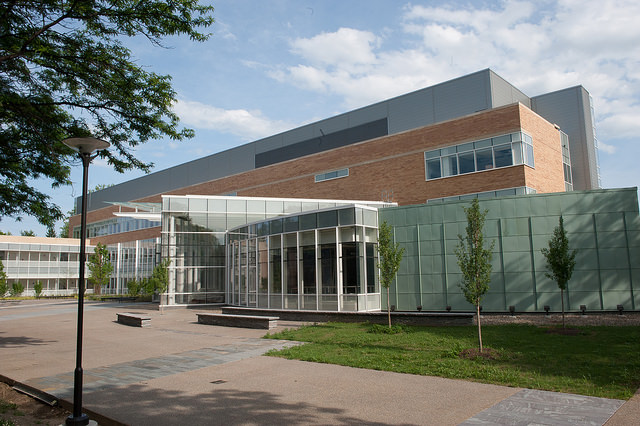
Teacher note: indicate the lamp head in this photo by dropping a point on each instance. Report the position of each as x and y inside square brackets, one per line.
[86, 145]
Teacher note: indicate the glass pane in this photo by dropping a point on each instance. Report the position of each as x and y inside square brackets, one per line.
[484, 159]
[529, 155]
[347, 216]
[503, 155]
[291, 224]
[517, 153]
[218, 206]
[501, 139]
[465, 147]
[466, 162]
[432, 154]
[450, 165]
[197, 205]
[433, 169]
[178, 204]
[327, 219]
[482, 144]
[308, 221]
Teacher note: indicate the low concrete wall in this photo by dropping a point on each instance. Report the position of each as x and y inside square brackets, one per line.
[409, 318]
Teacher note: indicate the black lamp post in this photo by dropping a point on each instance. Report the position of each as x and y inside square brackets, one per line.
[85, 147]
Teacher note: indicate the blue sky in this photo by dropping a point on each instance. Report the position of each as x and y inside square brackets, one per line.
[272, 65]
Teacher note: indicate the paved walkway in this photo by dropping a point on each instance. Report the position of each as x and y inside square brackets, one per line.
[178, 371]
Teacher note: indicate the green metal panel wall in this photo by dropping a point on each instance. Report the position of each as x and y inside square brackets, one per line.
[603, 225]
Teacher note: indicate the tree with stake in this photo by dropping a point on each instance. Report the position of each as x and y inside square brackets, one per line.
[100, 267]
[158, 282]
[560, 260]
[474, 260]
[390, 257]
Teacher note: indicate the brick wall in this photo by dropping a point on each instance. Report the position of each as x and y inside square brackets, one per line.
[392, 167]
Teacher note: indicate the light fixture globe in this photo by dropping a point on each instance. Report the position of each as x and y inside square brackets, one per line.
[86, 145]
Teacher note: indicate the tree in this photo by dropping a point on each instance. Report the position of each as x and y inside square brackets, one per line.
[560, 260]
[390, 257]
[51, 232]
[5, 233]
[28, 233]
[4, 288]
[159, 279]
[474, 260]
[133, 287]
[16, 289]
[65, 72]
[64, 229]
[37, 288]
[100, 267]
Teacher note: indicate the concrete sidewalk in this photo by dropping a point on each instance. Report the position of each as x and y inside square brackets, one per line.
[180, 372]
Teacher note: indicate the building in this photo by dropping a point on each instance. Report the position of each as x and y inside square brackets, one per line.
[475, 136]
[52, 261]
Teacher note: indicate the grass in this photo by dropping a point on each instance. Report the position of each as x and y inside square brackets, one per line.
[598, 361]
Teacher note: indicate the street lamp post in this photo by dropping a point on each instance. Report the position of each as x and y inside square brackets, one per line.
[85, 147]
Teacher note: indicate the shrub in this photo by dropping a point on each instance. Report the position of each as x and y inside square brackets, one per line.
[37, 288]
[383, 329]
[17, 289]
[134, 288]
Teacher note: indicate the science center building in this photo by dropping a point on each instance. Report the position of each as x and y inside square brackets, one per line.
[290, 221]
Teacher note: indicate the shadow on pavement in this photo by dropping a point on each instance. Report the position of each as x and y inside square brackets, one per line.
[145, 406]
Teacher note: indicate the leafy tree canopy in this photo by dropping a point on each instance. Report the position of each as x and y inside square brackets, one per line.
[64, 72]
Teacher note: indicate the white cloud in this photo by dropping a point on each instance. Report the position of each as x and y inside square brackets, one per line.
[604, 147]
[248, 125]
[540, 46]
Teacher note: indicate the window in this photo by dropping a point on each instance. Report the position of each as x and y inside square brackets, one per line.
[332, 175]
[433, 169]
[486, 154]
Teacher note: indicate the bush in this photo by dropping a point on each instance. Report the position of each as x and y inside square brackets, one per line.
[17, 289]
[4, 288]
[134, 288]
[385, 329]
[37, 288]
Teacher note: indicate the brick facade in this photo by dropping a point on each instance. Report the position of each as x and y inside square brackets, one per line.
[390, 168]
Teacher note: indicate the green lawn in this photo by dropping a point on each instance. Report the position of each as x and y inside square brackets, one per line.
[599, 361]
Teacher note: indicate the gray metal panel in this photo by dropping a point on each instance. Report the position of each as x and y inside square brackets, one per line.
[331, 125]
[232, 161]
[269, 143]
[411, 111]
[294, 136]
[570, 109]
[504, 93]
[462, 96]
[368, 114]
[212, 167]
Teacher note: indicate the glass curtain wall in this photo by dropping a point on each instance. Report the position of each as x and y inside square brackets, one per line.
[325, 260]
[278, 262]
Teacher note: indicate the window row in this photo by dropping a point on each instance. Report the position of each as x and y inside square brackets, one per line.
[501, 151]
[115, 226]
[520, 190]
[332, 175]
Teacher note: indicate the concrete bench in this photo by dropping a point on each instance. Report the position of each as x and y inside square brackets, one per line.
[134, 320]
[243, 321]
[120, 299]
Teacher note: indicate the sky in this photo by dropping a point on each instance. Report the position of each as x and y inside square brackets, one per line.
[273, 65]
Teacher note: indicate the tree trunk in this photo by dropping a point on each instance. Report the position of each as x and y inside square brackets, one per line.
[96, 289]
[479, 328]
[562, 301]
[388, 307]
